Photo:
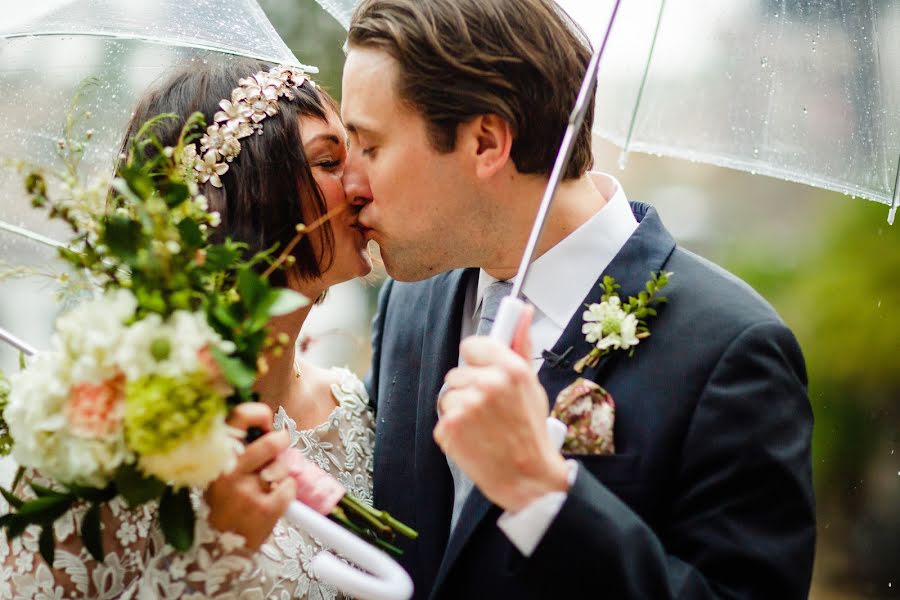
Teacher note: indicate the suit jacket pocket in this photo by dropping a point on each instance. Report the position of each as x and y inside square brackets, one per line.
[610, 468]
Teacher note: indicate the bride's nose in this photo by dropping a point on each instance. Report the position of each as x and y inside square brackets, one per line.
[356, 181]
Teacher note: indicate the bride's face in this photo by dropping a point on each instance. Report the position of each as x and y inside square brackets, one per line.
[325, 146]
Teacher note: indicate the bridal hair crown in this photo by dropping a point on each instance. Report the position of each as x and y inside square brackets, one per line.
[255, 98]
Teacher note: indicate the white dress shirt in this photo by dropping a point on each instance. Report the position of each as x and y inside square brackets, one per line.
[557, 284]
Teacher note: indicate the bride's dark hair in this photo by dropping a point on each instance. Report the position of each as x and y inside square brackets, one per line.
[269, 187]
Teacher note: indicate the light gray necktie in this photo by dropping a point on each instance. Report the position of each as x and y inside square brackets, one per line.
[490, 304]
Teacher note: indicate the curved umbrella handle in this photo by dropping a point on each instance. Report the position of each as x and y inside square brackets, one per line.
[388, 580]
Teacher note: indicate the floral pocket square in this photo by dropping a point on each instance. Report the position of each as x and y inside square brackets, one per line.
[589, 413]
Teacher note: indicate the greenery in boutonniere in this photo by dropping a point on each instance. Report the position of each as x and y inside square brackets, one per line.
[616, 325]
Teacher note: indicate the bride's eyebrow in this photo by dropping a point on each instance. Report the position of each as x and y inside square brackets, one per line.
[328, 137]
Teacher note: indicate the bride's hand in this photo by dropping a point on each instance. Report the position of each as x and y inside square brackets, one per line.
[251, 499]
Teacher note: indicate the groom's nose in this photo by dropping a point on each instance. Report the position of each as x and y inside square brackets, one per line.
[356, 181]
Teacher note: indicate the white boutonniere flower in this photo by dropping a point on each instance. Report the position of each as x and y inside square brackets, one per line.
[614, 325]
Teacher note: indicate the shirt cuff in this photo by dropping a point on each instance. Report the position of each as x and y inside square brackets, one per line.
[526, 528]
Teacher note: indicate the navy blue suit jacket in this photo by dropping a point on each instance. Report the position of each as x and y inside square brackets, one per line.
[709, 494]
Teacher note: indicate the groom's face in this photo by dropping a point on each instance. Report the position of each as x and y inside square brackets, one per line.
[419, 206]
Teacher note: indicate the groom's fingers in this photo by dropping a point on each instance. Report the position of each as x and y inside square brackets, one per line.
[479, 351]
[521, 342]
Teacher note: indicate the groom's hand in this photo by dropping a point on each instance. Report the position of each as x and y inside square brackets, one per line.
[493, 424]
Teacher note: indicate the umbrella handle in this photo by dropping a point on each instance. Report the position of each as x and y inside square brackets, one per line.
[503, 330]
[388, 580]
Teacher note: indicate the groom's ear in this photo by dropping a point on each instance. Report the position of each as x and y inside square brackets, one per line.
[490, 139]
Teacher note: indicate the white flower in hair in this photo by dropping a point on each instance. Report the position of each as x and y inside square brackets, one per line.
[209, 169]
[213, 140]
[232, 113]
[255, 98]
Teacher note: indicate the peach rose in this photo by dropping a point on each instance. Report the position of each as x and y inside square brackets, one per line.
[96, 410]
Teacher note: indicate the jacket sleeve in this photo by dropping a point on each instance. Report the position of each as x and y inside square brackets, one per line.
[741, 523]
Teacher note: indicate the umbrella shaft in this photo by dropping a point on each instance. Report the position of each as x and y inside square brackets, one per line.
[16, 343]
[576, 121]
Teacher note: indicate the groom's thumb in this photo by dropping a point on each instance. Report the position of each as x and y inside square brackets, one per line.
[521, 342]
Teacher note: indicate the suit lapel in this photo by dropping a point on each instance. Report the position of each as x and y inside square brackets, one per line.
[440, 353]
[645, 252]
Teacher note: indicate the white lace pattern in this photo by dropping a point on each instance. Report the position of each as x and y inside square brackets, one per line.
[139, 565]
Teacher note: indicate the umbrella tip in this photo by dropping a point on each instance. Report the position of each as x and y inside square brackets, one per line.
[623, 160]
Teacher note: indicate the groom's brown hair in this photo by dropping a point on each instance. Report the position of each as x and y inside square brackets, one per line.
[520, 59]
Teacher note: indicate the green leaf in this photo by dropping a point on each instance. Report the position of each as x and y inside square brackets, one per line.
[48, 508]
[90, 532]
[252, 289]
[47, 544]
[136, 488]
[221, 257]
[14, 524]
[176, 517]
[236, 372]
[224, 313]
[140, 182]
[175, 193]
[190, 233]
[11, 498]
[286, 301]
[123, 236]
[42, 491]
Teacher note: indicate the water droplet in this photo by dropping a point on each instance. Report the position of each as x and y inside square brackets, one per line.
[805, 111]
[756, 152]
[764, 62]
[879, 304]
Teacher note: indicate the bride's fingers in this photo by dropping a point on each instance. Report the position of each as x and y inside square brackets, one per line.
[281, 496]
[263, 451]
[275, 471]
[251, 414]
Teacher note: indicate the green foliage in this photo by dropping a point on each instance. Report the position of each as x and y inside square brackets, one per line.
[149, 231]
[840, 297]
[6, 441]
[176, 517]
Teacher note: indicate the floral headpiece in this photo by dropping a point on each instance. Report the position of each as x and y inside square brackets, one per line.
[255, 98]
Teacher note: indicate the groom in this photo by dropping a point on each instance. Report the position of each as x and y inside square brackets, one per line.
[455, 110]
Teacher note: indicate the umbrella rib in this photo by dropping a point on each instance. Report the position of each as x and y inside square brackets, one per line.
[896, 201]
[35, 237]
[640, 95]
[17, 343]
[162, 42]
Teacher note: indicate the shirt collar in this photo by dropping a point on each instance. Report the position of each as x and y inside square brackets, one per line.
[559, 280]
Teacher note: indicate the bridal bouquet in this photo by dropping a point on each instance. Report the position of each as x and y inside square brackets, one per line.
[132, 398]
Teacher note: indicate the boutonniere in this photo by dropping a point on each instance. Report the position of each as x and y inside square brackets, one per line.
[616, 325]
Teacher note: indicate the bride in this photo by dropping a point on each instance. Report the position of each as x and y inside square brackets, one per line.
[291, 173]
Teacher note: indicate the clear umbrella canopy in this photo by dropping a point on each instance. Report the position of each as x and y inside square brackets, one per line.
[110, 51]
[803, 90]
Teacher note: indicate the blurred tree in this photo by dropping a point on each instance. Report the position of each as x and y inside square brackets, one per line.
[313, 35]
[840, 298]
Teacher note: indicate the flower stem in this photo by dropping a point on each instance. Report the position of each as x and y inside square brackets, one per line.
[302, 230]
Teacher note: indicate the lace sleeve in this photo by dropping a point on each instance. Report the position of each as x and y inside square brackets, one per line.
[75, 574]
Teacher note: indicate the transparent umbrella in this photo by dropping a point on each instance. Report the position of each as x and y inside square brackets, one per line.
[802, 90]
[109, 51]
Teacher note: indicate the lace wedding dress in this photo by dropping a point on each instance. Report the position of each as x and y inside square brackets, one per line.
[138, 564]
